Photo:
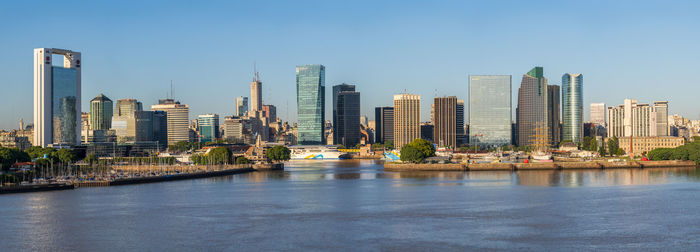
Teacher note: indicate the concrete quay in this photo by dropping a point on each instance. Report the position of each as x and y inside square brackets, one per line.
[537, 166]
[36, 188]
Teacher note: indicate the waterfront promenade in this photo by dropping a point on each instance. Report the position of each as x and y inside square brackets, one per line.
[536, 166]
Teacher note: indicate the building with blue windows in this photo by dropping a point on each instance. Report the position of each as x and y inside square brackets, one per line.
[208, 127]
[572, 107]
[311, 90]
[490, 110]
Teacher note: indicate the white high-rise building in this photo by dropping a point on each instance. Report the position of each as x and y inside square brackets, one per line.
[598, 113]
[633, 119]
[256, 94]
[56, 98]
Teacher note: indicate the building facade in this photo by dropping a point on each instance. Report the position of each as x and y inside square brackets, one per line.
[384, 124]
[641, 145]
[311, 101]
[461, 134]
[445, 122]
[208, 128]
[406, 119]
[270, 112]
[490, 110]
[597, 113]
[346, 115]
[101, 111]
[634, 119]
[241, 106]
[531, 113]
[256, 93]
[553, 110]
[177, 119]
[572, 107]
[57, 96]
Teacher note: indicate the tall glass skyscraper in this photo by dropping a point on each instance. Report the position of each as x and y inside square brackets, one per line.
[532, 113]
[490, 110]
[56, 98]
[572, 107]
[311, 103]
[346, 115]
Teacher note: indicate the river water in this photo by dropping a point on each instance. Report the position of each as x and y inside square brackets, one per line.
[356, 206]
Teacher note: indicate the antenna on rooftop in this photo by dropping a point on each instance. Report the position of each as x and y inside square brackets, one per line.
[171, 90]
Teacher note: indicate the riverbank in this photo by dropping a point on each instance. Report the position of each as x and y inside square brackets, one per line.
[188, 172]
[537, 166]
[36, 188]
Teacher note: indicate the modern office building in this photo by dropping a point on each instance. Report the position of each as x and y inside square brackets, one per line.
[384, 123]
[127, 107]
[241, 106]
[160, 129]
[597, 113]
[553, 110]
[101, 111]
[177, 117]
[531, 113]
[311, 100]
[461, 134]
[427, 131]
[572, 107]
[208, 128]
[406, 119]
[490, 110]
[633, 119]
[256, 93]
[57, 96]
[445, 122]
[346, 115]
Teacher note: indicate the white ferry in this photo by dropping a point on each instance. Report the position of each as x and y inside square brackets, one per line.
[316, 152]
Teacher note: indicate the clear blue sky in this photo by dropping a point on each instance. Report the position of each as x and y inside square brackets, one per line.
[132, 49]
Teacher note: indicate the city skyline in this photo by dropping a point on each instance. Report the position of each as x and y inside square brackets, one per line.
[611, 74]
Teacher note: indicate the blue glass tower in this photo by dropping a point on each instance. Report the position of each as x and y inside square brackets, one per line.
[208, 128]
[572, 107]
[311, 90]
[490, 110]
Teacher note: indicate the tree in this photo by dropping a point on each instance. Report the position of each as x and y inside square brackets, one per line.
[219, 155]
[586, 143]
[91, 159]
[601, 150]
[593, 144]
[66, 156]
[423, 146]
[613, 146]
[181, 146]
[279, 153]
[242, 160]
[409, 153]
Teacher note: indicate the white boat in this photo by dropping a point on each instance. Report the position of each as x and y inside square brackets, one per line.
[316, 152]
[541, 157]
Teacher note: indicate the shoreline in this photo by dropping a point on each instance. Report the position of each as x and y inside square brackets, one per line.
[537, 166]
[235, 169]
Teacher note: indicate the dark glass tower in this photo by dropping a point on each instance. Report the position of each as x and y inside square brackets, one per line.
[346, 115]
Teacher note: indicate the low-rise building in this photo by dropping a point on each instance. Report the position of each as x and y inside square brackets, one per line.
[642, 145]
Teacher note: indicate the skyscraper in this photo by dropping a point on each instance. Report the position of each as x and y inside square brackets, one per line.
[208, 128]
[160, 128]
[598, 113]
[553, 110]
[572, 109]
[445, 121]
[406, 119]
[256, 93]
[531, 113]
[241, 106]
[346, 115]
[311, 89]
[661, 118]
[101, 110]
[270, 112]
[490, 110]
[177, 118]
[384, 123]
[461, 134]
[57, 95]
